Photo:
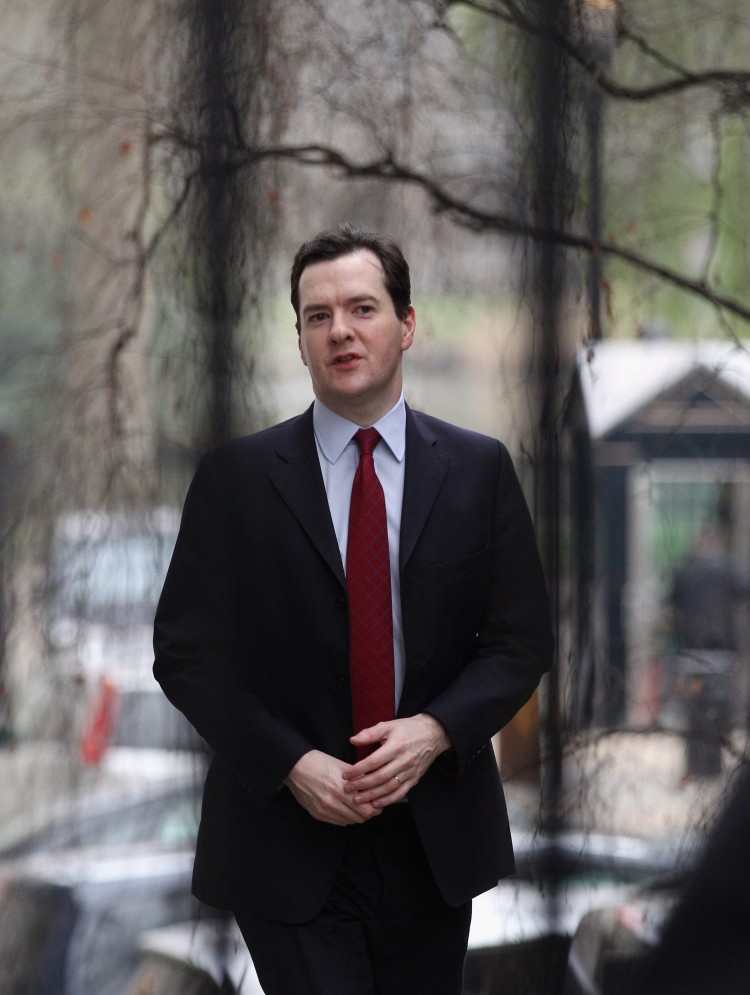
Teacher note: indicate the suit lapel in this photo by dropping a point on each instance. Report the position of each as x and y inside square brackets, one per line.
[426, 469]
[300, 483]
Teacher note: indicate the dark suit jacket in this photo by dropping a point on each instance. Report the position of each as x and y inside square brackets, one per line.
[251, 643]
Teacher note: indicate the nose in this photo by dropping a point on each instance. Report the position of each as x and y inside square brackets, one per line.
[340, 327]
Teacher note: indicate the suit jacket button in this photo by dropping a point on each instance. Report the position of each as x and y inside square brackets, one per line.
[340, 602]
[341, 682]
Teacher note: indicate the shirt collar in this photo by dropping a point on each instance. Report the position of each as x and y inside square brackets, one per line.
[334, 433]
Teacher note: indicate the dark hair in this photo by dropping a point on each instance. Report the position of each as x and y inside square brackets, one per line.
[342, 241]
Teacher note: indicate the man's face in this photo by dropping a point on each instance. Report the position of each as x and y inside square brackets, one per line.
[351, 339]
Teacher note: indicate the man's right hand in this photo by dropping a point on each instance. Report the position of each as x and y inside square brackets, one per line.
[316, 782]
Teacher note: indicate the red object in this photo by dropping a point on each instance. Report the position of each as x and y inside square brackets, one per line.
[368, 580]
[100, 727]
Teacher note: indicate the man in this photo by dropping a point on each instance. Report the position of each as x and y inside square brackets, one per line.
[706, 598]
[348, 843]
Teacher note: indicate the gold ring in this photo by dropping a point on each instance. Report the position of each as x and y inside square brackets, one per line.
[397, 779]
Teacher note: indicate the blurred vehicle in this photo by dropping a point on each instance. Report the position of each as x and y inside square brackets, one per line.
[98, 846]
[520, 933]
[70, 919]
[106, 572]
[208, 957]
[610, 944]
[91, 713]
[133, 726]
[131, 813]
[77, 890]
[146, 744]
[688, 935]
[521, 930]
[99, 596]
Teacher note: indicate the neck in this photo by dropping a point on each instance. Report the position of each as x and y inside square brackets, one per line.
[363, 414]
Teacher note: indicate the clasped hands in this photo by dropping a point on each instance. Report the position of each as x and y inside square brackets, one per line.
[348, 794]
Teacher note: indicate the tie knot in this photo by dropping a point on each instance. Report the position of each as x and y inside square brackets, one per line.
[367, 439]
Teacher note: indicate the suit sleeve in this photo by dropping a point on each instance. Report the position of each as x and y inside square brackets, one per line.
[197, 660]
[514, 643]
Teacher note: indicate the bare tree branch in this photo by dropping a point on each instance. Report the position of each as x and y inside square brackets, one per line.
[389, 170]
[733, 84]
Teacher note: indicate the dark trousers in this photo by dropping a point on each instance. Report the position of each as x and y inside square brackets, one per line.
[385, 929]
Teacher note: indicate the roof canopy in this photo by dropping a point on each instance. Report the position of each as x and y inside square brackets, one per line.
[619, 378]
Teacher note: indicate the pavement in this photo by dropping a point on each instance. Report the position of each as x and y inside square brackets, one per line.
[33, 775]
[632, 782]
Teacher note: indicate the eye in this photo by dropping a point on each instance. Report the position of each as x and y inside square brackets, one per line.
[365, 309]
[314, 319]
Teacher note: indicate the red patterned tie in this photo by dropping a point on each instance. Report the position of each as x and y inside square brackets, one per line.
[368, 580]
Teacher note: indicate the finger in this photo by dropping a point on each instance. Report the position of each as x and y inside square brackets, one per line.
[372, 734]
[375, 736]
[363, 813]
[377, 768]
[346, 814]
[380, 778]
[349, 804]
[372, 765]
[393, 789]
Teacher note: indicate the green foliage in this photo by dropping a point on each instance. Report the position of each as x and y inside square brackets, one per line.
[675, 168]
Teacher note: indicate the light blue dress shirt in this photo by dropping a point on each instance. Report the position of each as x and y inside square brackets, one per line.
[339, 455]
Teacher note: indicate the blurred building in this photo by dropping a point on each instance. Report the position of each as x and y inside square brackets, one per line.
[660, 449]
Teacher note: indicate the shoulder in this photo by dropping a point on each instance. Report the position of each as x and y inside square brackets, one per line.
[265, 443]
[252, 457]
[472, 458]
[454, 439]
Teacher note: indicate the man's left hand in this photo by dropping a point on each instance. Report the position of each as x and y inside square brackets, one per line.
[407, 747]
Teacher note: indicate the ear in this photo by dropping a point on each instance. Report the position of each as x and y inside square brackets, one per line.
[408, 327]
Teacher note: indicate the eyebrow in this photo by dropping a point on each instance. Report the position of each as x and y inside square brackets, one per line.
[356, 299]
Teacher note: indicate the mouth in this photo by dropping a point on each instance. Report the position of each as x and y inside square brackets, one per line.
[345, 359]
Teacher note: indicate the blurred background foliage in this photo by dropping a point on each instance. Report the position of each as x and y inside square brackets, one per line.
[162, 161]
[566, 177]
